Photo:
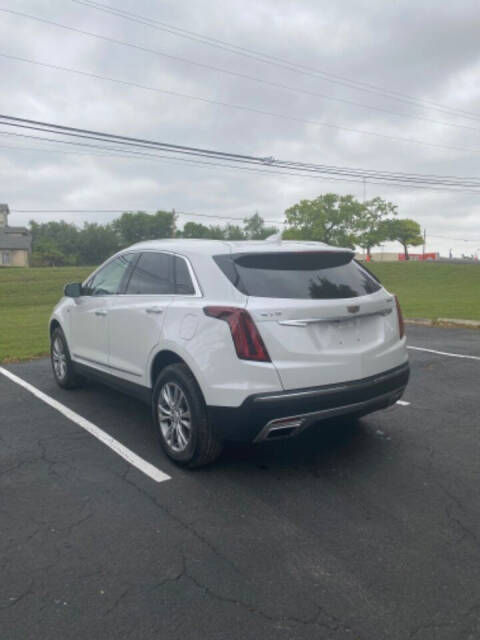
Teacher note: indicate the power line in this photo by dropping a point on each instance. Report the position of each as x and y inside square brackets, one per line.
[133, 154]
[275, 60]
[235, 73]
[230, 105]
[431, 181]
[475, 181]
[431, 235]
[133, 210]
[119, 153]
[137, 154]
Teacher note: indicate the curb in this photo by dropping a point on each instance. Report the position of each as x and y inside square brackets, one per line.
[444, 322]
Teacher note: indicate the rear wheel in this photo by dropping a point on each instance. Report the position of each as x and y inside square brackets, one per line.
[180, 415]
[62, 365]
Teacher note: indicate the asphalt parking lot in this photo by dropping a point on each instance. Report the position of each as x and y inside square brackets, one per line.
[355, 530]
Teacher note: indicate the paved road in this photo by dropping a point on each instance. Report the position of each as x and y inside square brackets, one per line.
[353, 531]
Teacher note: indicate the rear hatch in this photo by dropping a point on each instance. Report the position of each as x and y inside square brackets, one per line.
[323, 318]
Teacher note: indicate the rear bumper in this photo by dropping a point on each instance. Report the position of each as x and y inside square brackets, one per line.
[287, 413]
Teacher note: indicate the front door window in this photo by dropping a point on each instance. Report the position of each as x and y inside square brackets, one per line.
[107, 281]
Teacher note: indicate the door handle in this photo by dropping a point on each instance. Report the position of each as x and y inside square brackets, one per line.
[154, 310]
[100, 313]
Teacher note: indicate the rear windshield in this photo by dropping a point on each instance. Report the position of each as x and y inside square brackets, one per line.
[318, 275]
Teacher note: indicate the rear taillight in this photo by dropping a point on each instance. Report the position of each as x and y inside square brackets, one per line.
[401, 324]
[248, 342]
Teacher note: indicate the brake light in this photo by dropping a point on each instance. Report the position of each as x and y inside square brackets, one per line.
[401, 324]
[246, 338]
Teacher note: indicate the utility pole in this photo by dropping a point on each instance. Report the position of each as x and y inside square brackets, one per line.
[364, 189]
[173, 223]
[424, 242]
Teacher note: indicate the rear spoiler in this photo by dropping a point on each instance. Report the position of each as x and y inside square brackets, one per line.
[307, 259]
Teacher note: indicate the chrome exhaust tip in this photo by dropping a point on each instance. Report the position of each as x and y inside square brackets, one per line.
[280, 428]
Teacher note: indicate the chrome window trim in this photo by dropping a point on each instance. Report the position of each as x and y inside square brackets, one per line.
[196, 285]
[99, 268]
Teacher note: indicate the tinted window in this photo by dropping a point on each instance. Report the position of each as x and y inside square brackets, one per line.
[153, 274]
[107, 281]
[303, 275]
[183, 281]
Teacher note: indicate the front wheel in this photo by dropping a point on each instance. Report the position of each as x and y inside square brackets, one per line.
[62, 365]
[180, 415]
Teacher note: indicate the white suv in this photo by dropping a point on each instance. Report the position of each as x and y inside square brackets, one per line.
[244, 341]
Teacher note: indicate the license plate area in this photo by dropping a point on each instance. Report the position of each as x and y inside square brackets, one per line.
[345, 334]
[342, 333]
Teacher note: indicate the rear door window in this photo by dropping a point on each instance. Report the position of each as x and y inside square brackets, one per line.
[152, 275]
[304, 275]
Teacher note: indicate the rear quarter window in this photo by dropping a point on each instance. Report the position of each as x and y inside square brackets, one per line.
[322, 275]
[183, 280]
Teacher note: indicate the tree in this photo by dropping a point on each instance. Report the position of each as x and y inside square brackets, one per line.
[233, 232]
[198, 230]
[374, 231]
[54, 242]
[46, 254]
[216, 232]
[96, 243]
[330, 218]
[254, 228]
[194, 230]
[134, 227]
[406, 231]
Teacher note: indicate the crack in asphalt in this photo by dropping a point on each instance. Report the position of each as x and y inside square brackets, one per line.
[176, 578]
[463, 629]
[117, 601]
[77, 523]
[467, 532]
[15, 600]
[313, 621]
[185, 525]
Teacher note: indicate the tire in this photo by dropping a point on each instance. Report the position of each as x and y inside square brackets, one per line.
[62, 365]
[188, 438]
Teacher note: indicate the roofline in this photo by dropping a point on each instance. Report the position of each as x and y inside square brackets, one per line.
[233, 246]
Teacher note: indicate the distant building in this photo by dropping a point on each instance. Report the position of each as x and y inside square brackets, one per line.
[419, 256]
[391, 256]
[15, 242]
[383, 256]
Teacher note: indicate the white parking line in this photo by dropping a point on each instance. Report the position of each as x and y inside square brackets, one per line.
[444, 353]
[403, 403]
[128, 455]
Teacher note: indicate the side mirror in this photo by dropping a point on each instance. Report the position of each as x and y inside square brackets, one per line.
[73, 290]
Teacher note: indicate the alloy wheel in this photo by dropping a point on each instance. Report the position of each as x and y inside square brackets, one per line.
[59, 359]
[174, 417]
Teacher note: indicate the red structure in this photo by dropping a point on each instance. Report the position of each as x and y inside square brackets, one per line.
[419, 256]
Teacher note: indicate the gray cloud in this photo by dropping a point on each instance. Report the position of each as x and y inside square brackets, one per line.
[421, 49]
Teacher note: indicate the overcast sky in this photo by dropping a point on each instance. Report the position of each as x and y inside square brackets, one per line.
[425, 49]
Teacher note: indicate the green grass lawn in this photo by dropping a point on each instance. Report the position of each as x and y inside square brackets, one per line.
[433, 290]
[426, 290]
[27, 297]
